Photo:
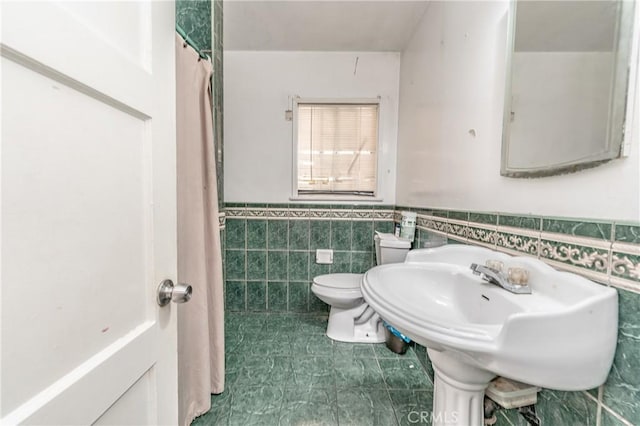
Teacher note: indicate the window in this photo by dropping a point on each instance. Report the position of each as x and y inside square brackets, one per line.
[337, 148]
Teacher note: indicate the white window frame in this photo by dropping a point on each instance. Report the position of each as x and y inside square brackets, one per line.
[294, 139]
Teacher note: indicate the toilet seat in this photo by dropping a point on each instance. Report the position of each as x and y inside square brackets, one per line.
[339, 282]
[341, 289]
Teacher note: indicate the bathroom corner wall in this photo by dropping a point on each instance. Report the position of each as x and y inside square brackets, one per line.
[452, 82]
[270, 251]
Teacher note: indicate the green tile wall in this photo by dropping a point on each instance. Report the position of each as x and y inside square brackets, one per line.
[270, 251]
[621, 392]
[194, 17]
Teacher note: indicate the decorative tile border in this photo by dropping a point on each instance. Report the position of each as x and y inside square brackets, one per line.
[319, 213]
[438, 224]
[592, 255]
[458, 229]
[625, 261]
[233, 212]
[517, 241]
[593, 249]
[483, 234]
[300, 211]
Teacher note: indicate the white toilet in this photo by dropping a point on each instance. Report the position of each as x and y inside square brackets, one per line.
[351, 319]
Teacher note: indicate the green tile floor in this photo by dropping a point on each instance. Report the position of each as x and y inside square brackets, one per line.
[282, 370]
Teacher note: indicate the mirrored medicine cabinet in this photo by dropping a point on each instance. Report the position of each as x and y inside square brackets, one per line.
[566, 85]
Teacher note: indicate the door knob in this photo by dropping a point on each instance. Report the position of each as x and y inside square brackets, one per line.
[167, 292]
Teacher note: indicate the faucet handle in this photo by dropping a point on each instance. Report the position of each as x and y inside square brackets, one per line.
[518, 276]
[494, 265]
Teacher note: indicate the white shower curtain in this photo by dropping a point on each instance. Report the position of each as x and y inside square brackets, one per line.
[201, 320]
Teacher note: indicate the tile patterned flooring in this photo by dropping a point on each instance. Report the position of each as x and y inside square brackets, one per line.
[282, 370]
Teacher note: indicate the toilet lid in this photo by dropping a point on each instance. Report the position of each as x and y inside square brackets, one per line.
[344, 281]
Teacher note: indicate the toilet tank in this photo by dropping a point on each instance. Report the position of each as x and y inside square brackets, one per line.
[390, 249]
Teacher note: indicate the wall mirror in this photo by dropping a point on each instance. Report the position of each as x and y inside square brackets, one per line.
[567, 82]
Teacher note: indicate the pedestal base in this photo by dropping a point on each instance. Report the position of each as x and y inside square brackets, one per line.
[458, 397]
[342, 326]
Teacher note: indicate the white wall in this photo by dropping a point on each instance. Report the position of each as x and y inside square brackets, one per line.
[257, 163]
[451, 97]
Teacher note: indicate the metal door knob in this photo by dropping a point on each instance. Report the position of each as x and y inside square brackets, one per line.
[167, 292]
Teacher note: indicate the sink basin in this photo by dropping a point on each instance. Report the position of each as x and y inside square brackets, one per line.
[561, 336]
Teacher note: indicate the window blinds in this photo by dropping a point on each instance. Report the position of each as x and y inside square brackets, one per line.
[337, 148]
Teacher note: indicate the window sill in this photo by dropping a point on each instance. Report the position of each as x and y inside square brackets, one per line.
[339, 198]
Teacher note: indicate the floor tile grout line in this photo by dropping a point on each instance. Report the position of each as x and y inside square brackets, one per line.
[393, 406]
[335, 388]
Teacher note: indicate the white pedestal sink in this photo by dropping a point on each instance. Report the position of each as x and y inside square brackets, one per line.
[561, 336]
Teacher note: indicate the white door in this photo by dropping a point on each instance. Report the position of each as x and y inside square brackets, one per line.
[88, 213]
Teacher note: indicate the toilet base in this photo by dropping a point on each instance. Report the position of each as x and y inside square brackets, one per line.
[355, 325]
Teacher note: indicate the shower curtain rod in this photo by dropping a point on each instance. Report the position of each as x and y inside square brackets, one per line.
[190, 42]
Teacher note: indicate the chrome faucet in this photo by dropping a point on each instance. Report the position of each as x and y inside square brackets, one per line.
[495, 276]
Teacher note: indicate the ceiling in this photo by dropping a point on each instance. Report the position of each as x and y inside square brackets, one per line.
[320, 25]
